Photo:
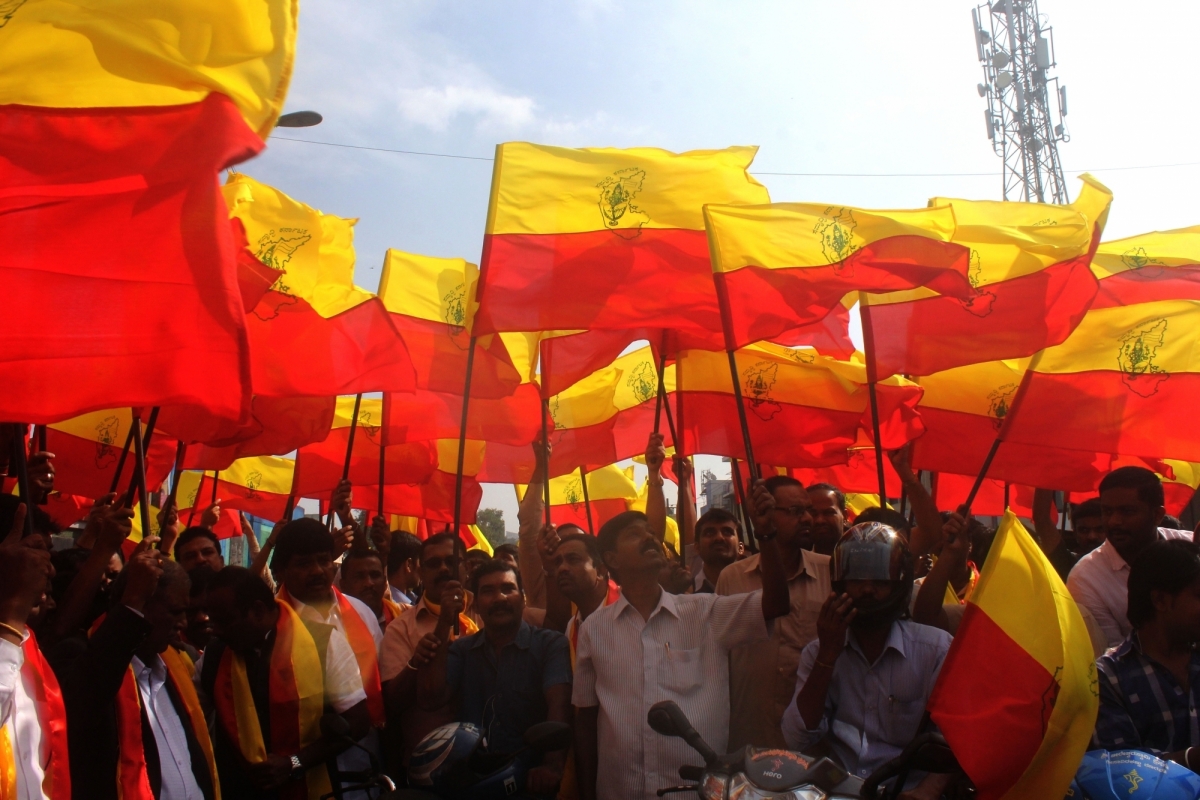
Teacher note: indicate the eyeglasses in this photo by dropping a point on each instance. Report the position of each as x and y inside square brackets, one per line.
[438, 562]
[794, 511]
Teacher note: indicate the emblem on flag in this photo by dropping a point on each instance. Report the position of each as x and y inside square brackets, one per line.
[643, 380]
[836, 228]
[617, 210]
[999, 403]
[1139, 348]
[106, 437]
[759, 378]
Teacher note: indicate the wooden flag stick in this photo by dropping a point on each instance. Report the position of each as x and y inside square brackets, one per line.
[878, 444]
[661, 396]
[740, 494]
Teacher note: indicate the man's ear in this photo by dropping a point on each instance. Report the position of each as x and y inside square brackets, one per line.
[1159, 513]
[609, 558]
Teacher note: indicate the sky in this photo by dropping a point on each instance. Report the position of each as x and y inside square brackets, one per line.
[864, 88]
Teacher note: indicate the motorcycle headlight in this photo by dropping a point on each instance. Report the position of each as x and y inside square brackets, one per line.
[740, 788]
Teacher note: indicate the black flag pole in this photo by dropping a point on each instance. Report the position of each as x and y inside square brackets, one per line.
[740, 495]
[329, 523]
[116, 480]
[462, 438]
[587, 500]
[730, 349]
[146, 435]
[383, 474]
[1013, 409]
[176, 473]
[868, 331]
[139, 472]
[546, 461]
[662, 394]
[21, 462]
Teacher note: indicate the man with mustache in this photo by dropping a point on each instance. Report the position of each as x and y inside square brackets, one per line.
[505, 678]
[410, 642]
[717, 544]
[829, 516]
[304, 566]
[651, 645]
[1131, 508]
[763, 676]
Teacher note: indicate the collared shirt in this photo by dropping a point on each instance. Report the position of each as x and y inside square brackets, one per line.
[1142, 706]
[334, 617]
[174, 757]
[504, 695]
[401, 598]
[399, 643]
[1100, 581]
[872, 711]
[701, 584]
[762, 678]
[19, 716]
[680, 652]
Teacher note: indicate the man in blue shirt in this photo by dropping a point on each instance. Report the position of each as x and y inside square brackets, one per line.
[863, 684]
[508, 677]
[1150, 683]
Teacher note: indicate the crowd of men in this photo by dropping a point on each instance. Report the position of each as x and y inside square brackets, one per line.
[166, 674]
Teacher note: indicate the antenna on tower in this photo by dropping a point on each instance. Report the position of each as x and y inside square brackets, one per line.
[1016, 48]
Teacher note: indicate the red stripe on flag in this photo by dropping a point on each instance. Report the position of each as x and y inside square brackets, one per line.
[1149, 414]
[597, 280]
[991, 691]
[139, 271]
[767, 303]
[296, 352]
[1009, 319]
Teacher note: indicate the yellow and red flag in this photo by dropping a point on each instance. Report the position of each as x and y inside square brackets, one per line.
[314, 333]
[1023, 656]
[1030, 286]
[1124, 382]
[114, 124]
[432, 303]
[88, 448]
[432, 499]
[608, 490]
[606, 239]
[258, 486]
[319, 466]
[785, 265]
[802, 409]
[858, 475]
[277, 426]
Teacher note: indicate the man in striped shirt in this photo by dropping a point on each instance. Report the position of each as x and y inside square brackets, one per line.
[651, 646]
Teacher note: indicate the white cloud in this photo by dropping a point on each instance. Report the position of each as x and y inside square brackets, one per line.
[436, 107]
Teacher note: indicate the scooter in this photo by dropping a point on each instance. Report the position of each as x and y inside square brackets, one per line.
[753, 773]
[756, 773]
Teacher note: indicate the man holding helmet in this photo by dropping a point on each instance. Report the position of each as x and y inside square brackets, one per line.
[863, 684]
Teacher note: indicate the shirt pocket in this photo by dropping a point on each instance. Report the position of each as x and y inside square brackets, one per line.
[679, 671]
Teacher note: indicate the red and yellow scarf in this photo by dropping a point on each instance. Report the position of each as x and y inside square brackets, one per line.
[52, 716]
[958, 598]
[133, 781]
[614, 594]
[297, 698]
[391, 610]
[363, 645]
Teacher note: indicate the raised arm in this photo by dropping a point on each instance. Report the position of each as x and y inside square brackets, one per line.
[776, 599]
[1047, 532]
[685, 504]
[656, 501]
[929, 521]
[928, 608]
[108, 527]
[529, 523]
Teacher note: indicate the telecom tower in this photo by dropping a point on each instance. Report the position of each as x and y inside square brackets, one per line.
[1016, 48]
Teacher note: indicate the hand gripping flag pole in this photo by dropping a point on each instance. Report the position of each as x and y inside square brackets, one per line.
[349, 452]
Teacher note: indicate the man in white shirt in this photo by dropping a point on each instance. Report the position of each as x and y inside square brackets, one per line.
[649, 646]
[304, 566]
[1131, 508]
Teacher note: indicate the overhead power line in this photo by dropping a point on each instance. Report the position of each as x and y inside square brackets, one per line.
[755, 172]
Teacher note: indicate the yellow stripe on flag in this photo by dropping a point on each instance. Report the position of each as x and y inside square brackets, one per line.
[263, 473]
[536, 189]
[789, 235]
[628, 382]
[429, 288]
[606, 483]
[1143, 340]
[314, 250]
[95, 54]
[1173, 248]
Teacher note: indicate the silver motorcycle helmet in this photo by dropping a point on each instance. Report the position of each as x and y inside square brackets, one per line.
[873, 551]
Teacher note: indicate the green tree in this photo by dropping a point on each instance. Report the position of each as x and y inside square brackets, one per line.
[491, 522]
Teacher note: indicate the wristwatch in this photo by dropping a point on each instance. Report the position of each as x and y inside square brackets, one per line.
[297, 768]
